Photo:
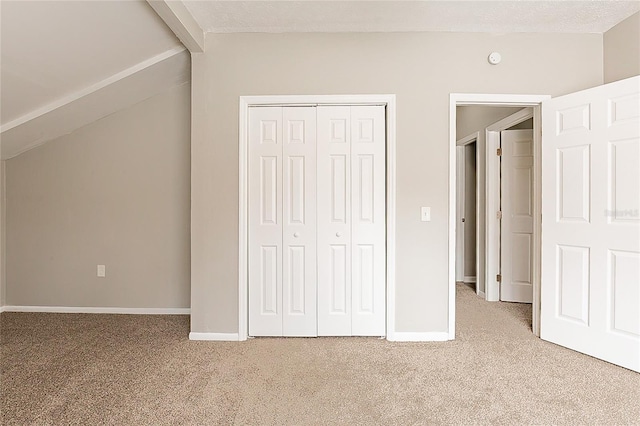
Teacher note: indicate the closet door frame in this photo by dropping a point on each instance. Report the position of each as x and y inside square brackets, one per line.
[246, 102]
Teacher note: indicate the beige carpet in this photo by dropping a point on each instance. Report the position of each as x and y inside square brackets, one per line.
[130, 370]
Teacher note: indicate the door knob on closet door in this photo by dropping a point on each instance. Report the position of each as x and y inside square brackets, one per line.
[338, 234]
[296, 235]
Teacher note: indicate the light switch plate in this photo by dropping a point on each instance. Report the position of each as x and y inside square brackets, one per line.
[102, 271]
[426, 214]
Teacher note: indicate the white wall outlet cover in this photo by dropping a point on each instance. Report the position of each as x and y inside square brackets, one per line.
[494, 58]
[102, 271]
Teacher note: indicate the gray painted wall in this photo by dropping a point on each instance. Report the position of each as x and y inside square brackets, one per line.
[622, 50]
[525, 125]
[116, 193]
[422, 69]
[471, 119]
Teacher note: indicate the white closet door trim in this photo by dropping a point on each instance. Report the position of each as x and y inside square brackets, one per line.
[389, 101]
[312, 100]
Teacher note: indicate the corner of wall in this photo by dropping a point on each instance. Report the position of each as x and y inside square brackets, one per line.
[621, 50]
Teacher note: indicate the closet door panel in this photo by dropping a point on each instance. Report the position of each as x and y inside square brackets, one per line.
[265, 221]
[299, 221]
[368, 221]
[317, 221]
[334, 220]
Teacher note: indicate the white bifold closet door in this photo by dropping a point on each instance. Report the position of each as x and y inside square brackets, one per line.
[351, 221]
[282, 225]
[317, 221]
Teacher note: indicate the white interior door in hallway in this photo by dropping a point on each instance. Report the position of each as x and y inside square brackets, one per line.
[317, 221]
[516, 234]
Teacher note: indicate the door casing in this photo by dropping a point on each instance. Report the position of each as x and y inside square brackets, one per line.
[504, 100]
[389, 102]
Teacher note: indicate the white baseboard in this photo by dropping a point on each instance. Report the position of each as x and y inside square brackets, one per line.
[403, 336]
[481, 294]
[221, 337]
[97, 310]
[469, 279]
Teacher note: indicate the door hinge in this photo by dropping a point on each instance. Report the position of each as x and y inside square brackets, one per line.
[499, 215]
[499, 152]
[499, 278]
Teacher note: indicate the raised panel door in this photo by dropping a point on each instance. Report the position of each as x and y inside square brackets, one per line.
[368, 221]
[516, 234]
[334, 220]
[590, 291]
[299, 221]
[265, 221]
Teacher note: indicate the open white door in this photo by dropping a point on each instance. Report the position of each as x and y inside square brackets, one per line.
[590, 290]
[516, 236]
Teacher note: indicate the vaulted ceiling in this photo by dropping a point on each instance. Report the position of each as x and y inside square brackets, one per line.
[65, 64]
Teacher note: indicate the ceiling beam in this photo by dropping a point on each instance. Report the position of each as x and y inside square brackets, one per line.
[176, 15]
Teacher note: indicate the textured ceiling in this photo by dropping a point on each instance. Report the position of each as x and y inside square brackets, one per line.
[397, 16]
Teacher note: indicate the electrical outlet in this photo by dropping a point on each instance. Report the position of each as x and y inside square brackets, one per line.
[102, 271]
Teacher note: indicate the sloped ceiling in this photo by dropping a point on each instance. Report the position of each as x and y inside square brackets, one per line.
[65, 64]
[396, 16]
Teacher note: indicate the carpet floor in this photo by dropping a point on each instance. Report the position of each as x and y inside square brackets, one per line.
[138, 370]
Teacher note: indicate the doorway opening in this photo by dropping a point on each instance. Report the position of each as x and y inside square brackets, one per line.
[507, 111]
[497, 267]
[468, 208]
